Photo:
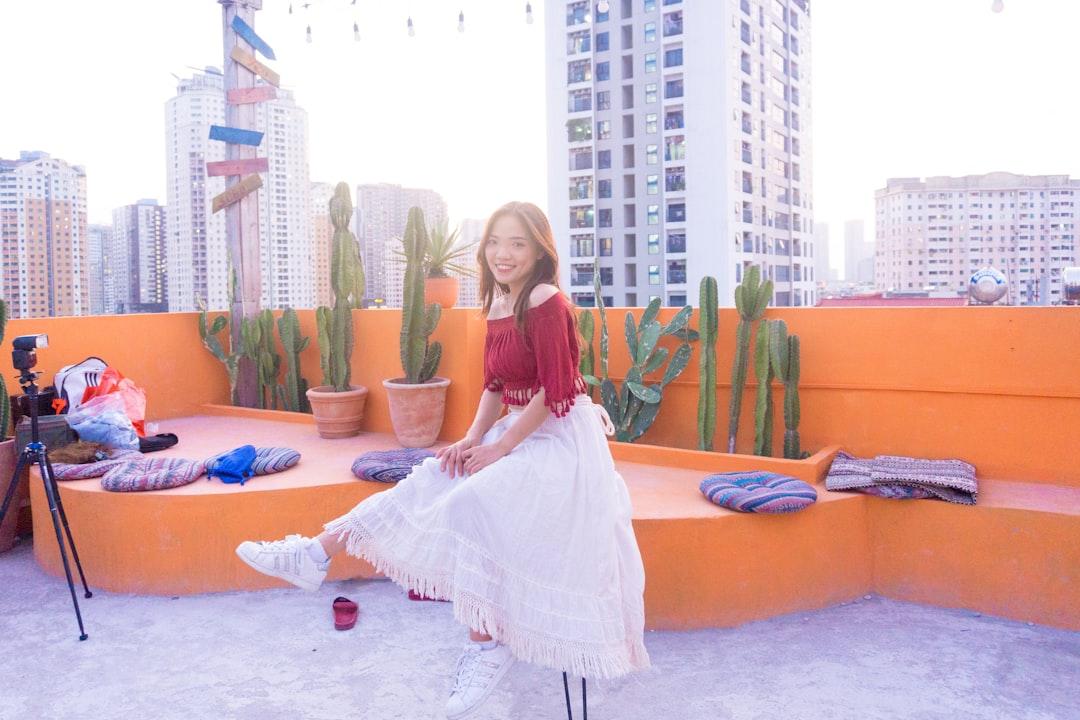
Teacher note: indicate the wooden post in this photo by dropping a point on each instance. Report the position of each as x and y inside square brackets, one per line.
[242, 217]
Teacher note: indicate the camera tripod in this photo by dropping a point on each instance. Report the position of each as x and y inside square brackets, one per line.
[36, 453]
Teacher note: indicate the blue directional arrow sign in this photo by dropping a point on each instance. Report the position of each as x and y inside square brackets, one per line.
[245, 31]
[235, 136]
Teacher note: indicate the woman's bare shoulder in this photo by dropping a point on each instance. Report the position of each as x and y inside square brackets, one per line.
[500, 307]
[541, 293]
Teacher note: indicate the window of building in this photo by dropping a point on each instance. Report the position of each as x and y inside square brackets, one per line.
[654, 274]
[673, 23]
[652, 216]
[603, 70]
[603, 100]
[652, 185]
[676, 243]
[581, 188]
[603, 129]
[650, 92]
[650, 5]
[676, 271]
[652, 154]
[605, 250]
[603, 189]
[578, 42]
[605, 217]
[602, 42]
[581, 246]
[650, 123]
[673, 57]
[579, 71]
[603, 159]
[673, 88]
[654, 244]
[650, 62]
[650, 32]
[578, 130]
[676, 212]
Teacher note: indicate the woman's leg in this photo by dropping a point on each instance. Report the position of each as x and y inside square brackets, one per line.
[332, 544]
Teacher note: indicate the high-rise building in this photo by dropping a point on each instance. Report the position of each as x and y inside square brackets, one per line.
[679, 146]
[933, 234]
[322, 233]
[858, 253]
[821, 252]
[469, 287]
[136, 279]
[43, 236]
[99, 238]
[198, 258]
[382, 210]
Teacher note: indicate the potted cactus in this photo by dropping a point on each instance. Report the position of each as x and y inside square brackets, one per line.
[445, 254]
[417, 400]
[338, 406]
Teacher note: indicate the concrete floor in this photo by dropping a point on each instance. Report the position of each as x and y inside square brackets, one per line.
[275, 654]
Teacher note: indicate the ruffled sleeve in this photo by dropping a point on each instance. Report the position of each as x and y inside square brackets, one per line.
[554, 345]
[490, 381]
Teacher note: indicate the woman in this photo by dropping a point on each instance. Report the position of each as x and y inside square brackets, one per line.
[524, 524]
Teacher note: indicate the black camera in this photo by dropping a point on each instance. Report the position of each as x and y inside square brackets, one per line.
[24, 355]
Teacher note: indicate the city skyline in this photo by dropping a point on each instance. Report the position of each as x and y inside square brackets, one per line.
[902, 121]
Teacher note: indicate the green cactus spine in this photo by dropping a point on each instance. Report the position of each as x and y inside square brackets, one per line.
[5, 404]
[419, 357]
[294, 392]
[587, 365]
[707, 326]
[208, 332]
[784, 355]
[763, 409]
[751, 299]
[335, 327]
[634, 407]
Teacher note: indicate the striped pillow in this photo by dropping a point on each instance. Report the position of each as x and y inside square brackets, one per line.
[268, 460]
[389, 465]
[758, 491]
[152, 474]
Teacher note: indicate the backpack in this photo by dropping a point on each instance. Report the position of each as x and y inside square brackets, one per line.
[72, 380]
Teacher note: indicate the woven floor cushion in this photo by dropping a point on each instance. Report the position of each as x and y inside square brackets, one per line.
[152, 474]
[86, 471]
[268, 460]
[389, 465]
[758, 491]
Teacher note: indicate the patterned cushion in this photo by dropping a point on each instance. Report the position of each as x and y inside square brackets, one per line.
[758, 491]
[389, 465]
[152, 474]
[268, 460]
[85, 471]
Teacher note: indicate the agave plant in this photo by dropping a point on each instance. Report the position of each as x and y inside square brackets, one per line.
[444, 253]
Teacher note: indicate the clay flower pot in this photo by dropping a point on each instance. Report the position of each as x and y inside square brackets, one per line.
[337, 414]
[442, 290]
[417, 410]
[8, 460]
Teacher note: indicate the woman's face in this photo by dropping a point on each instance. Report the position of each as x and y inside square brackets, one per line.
[510, 253]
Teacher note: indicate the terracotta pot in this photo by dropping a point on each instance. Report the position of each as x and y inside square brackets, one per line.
[22, 491]
[338, 414]
[441, 290]
[417, 410]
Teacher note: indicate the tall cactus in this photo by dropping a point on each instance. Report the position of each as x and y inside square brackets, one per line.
[335, 327]
[751, 299]
[633, 407]
[784, 355]
[208, 332]
[266, 360]
[763, 409]
[707, 326]
[5, 403]
[587, 364]
[419, 357]
[295, 388]
[592, 377]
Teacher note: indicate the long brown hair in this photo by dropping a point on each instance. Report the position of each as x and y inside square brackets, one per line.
[546, 269]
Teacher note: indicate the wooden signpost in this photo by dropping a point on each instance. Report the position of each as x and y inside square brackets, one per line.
[228, 168]
[236, 136]
[248, 60]
[237, 192]
[246, 96]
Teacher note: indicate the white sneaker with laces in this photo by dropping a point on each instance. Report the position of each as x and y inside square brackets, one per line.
[477, 673]
[287, 559]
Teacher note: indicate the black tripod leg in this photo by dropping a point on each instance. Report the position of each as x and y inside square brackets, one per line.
[51, 495]
[566, 690]
[584, 701]
[67, 528]
[19, 466]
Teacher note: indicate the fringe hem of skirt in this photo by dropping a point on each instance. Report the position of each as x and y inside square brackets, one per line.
[573, 657]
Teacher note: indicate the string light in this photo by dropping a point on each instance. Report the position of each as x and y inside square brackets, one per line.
[412, 30]
[356, 32]
[309, 33]
[461, 22]
[290, 8]
[528, 13]
[998, 6]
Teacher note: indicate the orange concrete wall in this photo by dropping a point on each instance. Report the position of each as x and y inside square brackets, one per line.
[998, 387]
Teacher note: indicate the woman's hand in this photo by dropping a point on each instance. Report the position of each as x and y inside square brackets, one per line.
[479, 457]
[452, 457]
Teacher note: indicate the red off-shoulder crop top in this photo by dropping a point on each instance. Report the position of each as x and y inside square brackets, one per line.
[546, 355]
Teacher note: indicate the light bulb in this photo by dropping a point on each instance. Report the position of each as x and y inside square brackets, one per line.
[309, 33]
[412, 30]
[356, 32]
[290, 8]
[461, 22]
[998, 6]
[603, 6]
[528, 13]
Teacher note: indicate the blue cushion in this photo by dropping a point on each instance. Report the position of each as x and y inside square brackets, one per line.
[389, 465]
[758, 491]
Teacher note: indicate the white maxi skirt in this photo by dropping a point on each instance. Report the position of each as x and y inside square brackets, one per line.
[536, 549]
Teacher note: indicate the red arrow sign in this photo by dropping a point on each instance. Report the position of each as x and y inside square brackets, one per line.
[245, 166]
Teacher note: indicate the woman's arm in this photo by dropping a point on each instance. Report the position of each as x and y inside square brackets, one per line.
[487, 412]
[532, 417]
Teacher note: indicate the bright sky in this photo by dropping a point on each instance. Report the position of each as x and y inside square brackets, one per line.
[901, 88]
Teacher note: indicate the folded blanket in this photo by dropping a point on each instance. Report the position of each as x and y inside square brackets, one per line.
[893, 476]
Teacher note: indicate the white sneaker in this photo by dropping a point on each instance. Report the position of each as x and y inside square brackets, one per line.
[287, 559]
[477, 673]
